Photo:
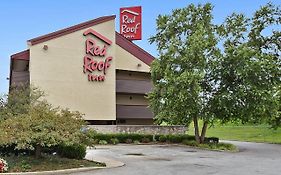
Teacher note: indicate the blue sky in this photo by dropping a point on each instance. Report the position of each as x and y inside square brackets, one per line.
[21, 20]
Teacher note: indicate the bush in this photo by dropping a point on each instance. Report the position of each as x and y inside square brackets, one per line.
[114, 141]
[145, 140]
[219, 146]
[103, 142]
[136, 142]
[190, 143]
[30, 131]
[6, 150]
[25, 165]
[95, 141]
[162, 138]
[129, 141]
[174, 138]
[227, 146]
[122, 137]
[73, 151]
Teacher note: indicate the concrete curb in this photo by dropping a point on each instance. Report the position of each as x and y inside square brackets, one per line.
[65, 171]
[109, 164]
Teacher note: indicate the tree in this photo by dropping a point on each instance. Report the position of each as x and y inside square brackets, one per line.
[197, 77]
[182, 76]
[249, 73]
[18, 101]
[42, 126]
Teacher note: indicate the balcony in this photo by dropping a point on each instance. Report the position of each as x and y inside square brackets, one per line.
[133, 86]
[133, 112]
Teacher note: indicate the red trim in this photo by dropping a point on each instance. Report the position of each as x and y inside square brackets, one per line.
[133, 49]
[24, 55]
[69, 30]
[103, 38]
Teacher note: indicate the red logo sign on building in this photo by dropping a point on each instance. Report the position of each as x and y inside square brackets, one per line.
[130, 22]
[96, 58]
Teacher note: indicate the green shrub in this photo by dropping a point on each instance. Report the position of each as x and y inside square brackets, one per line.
[175, 138]
[123, 137]
[145, 140]
[103, 142]
[129, 141]
[162, 138]
[206, 146]
[31, 131]
[129, 138]
[95, 141]
[219, 146]
[136, 142]
[114, 141]
[25, 165]
[7, 149]
[10, 149]
[227, 146]
[73, 151]
[155, 138]
[190, 143]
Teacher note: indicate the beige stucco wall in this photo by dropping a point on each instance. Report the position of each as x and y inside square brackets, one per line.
[127, 61]
[59, 72]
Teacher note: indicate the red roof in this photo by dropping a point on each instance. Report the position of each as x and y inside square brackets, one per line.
[119, 39]
[24, 55]
[69, 30]
[133, 49]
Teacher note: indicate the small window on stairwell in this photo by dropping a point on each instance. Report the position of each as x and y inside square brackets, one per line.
[20, 65]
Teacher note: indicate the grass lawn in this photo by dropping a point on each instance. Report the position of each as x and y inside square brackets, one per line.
[252, 133]
[46, 163]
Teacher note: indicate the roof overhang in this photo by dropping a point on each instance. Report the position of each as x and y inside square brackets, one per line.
[119, 39]
[69, 30]
[24, 55]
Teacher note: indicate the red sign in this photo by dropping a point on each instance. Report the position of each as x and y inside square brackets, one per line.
[130, 22]
[93, 51]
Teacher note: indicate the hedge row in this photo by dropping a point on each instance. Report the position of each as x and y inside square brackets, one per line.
[76, 151]
[145, 138]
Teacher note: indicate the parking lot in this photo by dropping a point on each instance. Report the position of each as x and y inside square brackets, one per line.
[253, 158]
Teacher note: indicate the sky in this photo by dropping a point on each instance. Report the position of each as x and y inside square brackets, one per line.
[21, 20]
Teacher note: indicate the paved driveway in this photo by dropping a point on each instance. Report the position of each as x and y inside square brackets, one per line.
[253, 158]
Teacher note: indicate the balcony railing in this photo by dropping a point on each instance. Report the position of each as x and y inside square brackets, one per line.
[133, 112]
[133, 86]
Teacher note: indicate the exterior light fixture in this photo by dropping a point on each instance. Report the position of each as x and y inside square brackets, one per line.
[45, 47]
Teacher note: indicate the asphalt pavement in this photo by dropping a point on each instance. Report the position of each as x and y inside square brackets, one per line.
[252, 159]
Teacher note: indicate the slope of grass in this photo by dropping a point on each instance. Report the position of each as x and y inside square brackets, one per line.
[251, 133]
